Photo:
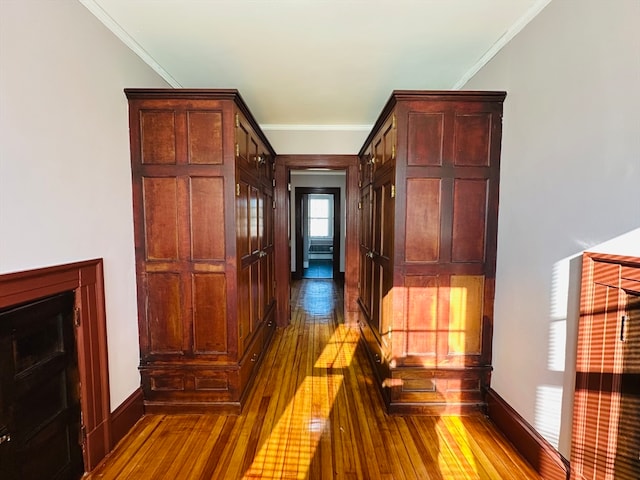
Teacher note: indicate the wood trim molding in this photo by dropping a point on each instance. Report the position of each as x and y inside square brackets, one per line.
[85, 279]
[126, 416]
[544, 458]
[285, 163]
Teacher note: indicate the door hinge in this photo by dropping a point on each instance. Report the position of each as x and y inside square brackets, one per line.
[359, 205]
[393, 191]
[237, 189]
[289, 186]
[393, 151]
[237, 120]
[359, 183]
[393, 121]
[237, 149]
[273, 204]
[76, 316]
[273, 183]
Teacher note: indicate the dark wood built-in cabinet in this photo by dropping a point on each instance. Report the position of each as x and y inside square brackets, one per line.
[606, 426]
[203, 189]
[429, 209]
[203, 213]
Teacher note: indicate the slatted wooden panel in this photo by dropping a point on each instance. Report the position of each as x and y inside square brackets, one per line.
[606, 431]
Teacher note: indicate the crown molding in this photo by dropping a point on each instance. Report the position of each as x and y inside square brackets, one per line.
[516, 28]
[128, 40]
[316, 128]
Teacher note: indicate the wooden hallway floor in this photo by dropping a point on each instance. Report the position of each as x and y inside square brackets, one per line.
[314, 413]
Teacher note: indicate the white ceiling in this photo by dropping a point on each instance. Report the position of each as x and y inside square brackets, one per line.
[316, 62]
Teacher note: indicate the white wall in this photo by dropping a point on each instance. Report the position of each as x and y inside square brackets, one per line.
[317, 139]
[570, 180]
[65, 188]
[332, 179]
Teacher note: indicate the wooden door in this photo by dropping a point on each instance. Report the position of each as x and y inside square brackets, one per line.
[627, 463]
[39, 392]
[606, 432]
[243, 248]
[383, 208]
[366, 251]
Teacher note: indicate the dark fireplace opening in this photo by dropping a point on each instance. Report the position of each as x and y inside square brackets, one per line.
[40, 412]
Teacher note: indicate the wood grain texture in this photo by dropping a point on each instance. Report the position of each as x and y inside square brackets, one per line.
[314, 413]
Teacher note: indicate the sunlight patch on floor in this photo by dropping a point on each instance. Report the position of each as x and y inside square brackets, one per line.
[291, 446]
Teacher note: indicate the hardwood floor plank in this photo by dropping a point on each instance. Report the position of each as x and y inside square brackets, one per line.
[314, 413]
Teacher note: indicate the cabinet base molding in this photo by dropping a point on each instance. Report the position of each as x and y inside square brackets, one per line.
[542, 456]
[436, 391]
[417, 390]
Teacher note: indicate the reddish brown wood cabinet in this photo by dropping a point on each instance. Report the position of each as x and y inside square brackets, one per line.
[429, 209]
[606, 411]
[203, 195]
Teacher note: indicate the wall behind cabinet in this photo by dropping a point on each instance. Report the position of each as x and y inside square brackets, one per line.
[569, 181]
[65, 174]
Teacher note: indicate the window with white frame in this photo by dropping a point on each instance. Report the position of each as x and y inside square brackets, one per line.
[320, 216]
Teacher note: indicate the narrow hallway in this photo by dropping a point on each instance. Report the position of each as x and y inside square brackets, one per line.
[314, 413]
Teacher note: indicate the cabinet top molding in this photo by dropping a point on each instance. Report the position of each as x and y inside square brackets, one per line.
[431, 96]
[224, 94]
[200, 93]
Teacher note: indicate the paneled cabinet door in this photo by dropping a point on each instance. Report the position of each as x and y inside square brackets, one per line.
[451, 191]
[268, 249]
[383, 204]
[366, 250]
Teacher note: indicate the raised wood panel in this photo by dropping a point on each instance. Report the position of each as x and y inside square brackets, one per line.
[254, 224]
[389, 139]
[254, 150]
[167, 383]
[378, 152]
[469, 220]
[211, 381]
[466, 293]
[205, 137]
[422, 236]
[388, 215]
[255, 297]
[422, 292]
[242, 141]
[160, 204]
[164, 314]
[209, 313]
[244, 306]
[425, 145]
[242, 220]
[472, 139]
[365, 217]
[158, 138]
[175, 389]
[207, 218]
[387, 309]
